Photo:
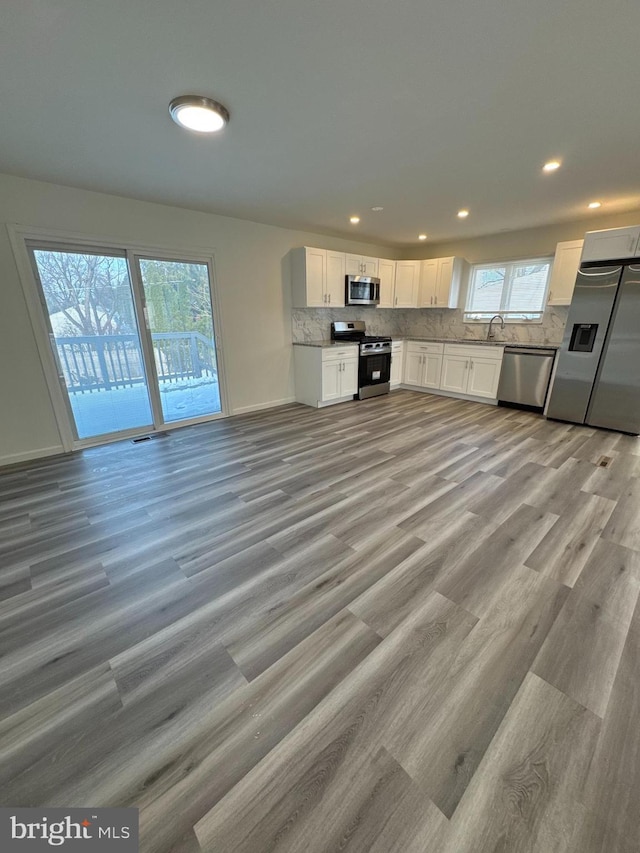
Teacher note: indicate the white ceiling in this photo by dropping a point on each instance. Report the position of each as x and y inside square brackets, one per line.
[421, 106]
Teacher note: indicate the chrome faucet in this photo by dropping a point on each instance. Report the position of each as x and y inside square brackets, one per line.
[491, 334]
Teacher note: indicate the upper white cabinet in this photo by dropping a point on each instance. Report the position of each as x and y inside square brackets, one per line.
[611, 244]
[387, 276]
[317, 277]
[399, 283]
[335, 285]
[440, 282]
[361, 265]
[564, 273]
[407, 284]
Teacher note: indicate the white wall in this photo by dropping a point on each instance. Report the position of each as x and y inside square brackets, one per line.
[528, 243]
[252, 280]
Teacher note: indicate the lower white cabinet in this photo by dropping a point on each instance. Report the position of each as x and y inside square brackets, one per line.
[471, 370]
[465, 369]
[455, 370]
[339, 379]
[325, 375]
[397, 363]
[423, 364]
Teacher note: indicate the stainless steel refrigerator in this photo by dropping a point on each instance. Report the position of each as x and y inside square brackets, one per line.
[597, 380]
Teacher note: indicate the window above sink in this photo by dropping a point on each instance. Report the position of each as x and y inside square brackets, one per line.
[517, 290]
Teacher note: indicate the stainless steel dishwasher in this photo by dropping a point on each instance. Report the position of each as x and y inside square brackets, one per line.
[525, 374]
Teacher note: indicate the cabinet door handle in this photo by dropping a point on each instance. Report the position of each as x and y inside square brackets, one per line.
[466, 365]
[329, 298]
[472, 363]
[396, 301]
[436, 300]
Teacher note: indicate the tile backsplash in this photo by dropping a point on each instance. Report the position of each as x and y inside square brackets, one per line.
[311, 324]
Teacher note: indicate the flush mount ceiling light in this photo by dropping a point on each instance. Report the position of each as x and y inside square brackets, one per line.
[594, 204]
[422, 236]
[354, 220]
[551, 166]
[377, 209]
[195, 112]
[462, 214]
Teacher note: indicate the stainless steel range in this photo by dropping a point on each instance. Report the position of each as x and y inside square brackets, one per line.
[374, 363]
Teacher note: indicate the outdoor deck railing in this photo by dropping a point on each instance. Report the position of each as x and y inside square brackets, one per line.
[95, 362]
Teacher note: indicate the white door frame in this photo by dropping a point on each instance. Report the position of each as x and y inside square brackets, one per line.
[19, 235]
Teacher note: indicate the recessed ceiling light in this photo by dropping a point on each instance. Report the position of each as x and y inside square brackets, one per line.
[422, 236]
[551, 166]
[593, 204]
[194, 112]
[462, 214]
[377, 209]
[354, 220]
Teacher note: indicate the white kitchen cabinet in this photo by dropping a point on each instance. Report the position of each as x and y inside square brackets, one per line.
[317, 278]
[484, 376]
[325, 375]
[361, 265]
[428, 283]
[423, 364]
[611, 244]
[407, 284]
[387, 276]
[349, 377]
[455, 374]
[335, 285]
[440, 282]
[565, 271]
[397, 363]
[472, 370]
[339, 379]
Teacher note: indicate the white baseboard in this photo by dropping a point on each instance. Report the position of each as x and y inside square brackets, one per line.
[243, 410]
[40, 453]
[440, 393]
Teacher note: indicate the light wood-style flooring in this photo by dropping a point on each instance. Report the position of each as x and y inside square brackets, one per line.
[404, 624]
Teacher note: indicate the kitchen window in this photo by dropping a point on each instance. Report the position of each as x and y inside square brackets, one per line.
[517, 290]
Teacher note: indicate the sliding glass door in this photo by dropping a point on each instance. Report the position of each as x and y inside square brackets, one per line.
[132, 338]
[95, 339]
[178, 309]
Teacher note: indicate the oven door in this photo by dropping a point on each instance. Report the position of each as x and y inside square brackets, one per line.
[374, 373]
[362, 290]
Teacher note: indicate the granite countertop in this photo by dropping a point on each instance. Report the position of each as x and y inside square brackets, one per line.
[325, 343]
[480, 341]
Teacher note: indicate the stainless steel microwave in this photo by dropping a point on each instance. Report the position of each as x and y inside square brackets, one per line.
[362, 290]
